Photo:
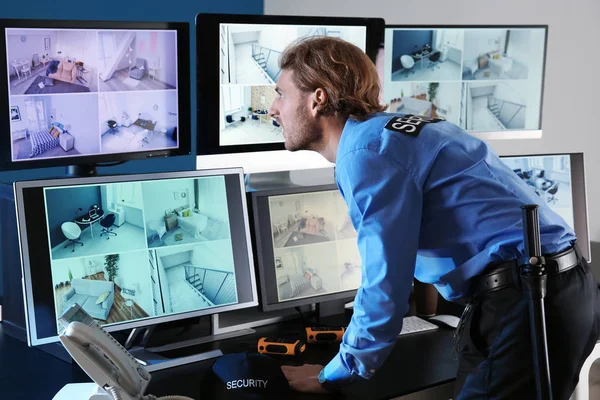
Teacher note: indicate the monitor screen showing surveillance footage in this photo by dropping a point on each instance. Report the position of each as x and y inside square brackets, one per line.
[91, 92]
[249, 69]
[311, 250]
[481, 78]
[550, 178]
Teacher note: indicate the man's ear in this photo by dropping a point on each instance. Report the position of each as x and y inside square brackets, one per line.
[319, 100]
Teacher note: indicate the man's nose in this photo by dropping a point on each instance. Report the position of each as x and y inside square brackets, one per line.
[273, 111]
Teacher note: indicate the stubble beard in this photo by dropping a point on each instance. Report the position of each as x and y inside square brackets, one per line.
[306, 133]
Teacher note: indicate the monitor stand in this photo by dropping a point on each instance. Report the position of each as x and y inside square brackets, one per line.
[81, 171]
[330, 308]
[158, 351]
[87, 170]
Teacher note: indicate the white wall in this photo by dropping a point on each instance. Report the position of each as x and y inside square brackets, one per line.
[247, 35]
[212, 198]
[322, 259]
[277, 37]
[60, 270]
[281, 208]
[134, 216]
[83, 45]
[160, 196]
[448, 98]
[34, 43]
[175, 259]
[570, 88]
[509, 91]
[19, 101]
[79, 267]
[520, 46]
[354, 35]
[162, 47]
[480, 41]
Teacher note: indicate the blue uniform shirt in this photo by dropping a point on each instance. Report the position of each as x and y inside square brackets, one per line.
[439, 206]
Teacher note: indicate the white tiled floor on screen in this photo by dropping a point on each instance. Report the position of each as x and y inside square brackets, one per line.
[129, 237]
[251, 132]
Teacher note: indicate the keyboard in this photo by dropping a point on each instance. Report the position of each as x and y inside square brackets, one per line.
[416, 324]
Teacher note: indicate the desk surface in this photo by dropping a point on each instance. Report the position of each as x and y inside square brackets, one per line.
[419, 361]
[145, 123]
[99, 215]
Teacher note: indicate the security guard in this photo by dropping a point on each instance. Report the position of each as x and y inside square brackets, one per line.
[432, 202]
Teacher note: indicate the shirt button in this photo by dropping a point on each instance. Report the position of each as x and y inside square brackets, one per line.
[372, 370]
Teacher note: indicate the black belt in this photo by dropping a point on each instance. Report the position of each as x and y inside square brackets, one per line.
[506, 274]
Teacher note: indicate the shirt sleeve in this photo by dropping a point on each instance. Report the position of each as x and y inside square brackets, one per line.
[385, 205]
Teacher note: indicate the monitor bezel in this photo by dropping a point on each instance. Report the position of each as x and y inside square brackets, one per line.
[183, 93]
[261, 250]
[509, 133]
[209, 81]
[579, 193]
[28, 295]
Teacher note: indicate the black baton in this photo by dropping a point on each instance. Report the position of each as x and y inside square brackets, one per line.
[532, 270]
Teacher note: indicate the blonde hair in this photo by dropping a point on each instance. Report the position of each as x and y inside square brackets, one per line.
[342, 69]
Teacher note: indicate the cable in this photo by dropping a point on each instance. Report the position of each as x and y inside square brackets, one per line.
[115, 392]
[151, 397]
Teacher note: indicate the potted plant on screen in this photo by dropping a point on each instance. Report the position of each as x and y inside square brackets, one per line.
[111, 262]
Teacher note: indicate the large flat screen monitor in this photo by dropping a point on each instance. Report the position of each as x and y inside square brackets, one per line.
[134, 250]
[559, 179]
[487, 79]
[86, 92]
[238, 68]
[305, 245]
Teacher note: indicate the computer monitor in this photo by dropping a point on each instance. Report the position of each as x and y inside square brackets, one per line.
[487, 79]
[560, 180]
[134, 250]
[305, 246]
[89, 92]
[237, 71]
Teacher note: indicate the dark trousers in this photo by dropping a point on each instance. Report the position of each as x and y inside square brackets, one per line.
[496, 359]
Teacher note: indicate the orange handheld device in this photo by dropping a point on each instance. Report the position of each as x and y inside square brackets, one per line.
[284, 347]
[324, 334]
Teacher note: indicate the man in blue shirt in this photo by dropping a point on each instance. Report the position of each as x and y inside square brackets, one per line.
[432, 202]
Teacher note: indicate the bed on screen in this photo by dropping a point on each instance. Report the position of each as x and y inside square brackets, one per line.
[197, 224]
[41, 142]
[45, 139]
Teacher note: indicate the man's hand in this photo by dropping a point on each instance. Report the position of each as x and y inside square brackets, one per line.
[304, 378]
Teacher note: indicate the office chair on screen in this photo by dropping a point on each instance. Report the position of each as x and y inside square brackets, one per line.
[106, 223]
[276, 127]
[552, 191]
[112, 125]
[434, 60]
[72, 232]
[407, 63]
